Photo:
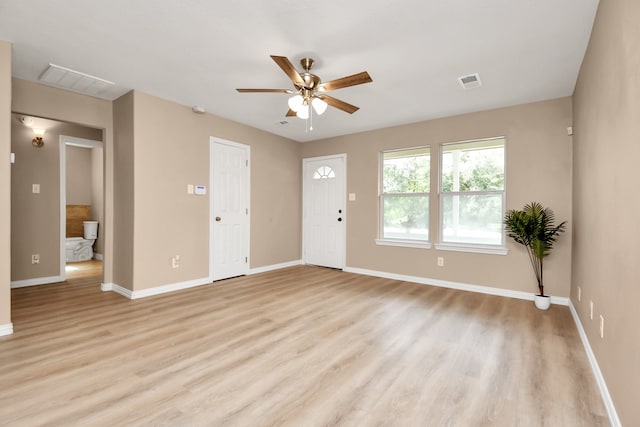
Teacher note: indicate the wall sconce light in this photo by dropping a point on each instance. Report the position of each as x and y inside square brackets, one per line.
[38, 140]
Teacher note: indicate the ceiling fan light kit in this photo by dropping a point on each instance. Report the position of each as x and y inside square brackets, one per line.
[309, 93]
[301, 106]
[303, 112]
[319, 105]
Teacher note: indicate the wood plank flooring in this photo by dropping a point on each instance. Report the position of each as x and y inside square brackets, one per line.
[84, 270]
[302, 346]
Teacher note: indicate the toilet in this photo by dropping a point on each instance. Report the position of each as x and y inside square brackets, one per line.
[81, 248]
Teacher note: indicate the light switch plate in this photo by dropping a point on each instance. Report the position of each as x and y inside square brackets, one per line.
[35, 188]
[352, 197]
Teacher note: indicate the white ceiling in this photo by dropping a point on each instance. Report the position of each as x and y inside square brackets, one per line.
[196, 52]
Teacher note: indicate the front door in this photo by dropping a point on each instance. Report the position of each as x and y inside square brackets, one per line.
[229, 213]
[324, 215]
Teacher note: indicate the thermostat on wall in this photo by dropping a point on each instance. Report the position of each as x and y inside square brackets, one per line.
[201, 190]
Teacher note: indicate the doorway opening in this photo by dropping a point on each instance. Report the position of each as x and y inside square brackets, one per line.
[81, 207]
[38, 196]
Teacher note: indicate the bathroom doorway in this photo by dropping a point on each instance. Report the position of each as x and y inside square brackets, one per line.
[81, 207]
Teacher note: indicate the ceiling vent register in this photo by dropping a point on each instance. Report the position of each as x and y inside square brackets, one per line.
[471, 81]
[76, 81]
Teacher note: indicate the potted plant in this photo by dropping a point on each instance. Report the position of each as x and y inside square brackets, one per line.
[533, 227]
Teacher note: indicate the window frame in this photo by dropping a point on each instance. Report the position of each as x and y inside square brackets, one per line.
[499, 249]
[389, 241]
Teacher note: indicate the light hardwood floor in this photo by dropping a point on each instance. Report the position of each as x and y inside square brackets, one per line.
[303, 346]
[84, 270]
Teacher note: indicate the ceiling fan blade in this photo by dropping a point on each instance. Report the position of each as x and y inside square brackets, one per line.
[341, 105]
[265, 90]
[286, 65]
[353, 80]
[290, 113]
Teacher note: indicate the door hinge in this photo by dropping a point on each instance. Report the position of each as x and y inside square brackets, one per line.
[246, 211]
[246, 260]
[247, 162]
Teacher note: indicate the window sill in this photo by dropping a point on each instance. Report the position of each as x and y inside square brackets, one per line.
[459, 247]
[403, 243]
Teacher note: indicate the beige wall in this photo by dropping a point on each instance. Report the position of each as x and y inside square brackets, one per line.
[606, 203]
[43, 101]
[97, 194]
[78, 175]
[123, 191]
[538, 168]
[161, 147]
[35, 218]
[171, 150]
[5, 183]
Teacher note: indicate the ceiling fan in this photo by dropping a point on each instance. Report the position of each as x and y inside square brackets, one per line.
[310, 91]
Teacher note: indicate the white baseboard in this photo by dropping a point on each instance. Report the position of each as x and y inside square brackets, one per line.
[454, 285]
[415, 279]
[106, 287]
[122, 291]
[274, 267]
[184, 285]
[169, 288]
[98, 256]
[602, 385]
[153, 291]
[36, 281]
[6, 329]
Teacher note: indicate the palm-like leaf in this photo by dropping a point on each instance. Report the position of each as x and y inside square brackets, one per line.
[533, 227]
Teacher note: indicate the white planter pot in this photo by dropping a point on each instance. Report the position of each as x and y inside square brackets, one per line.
[542, 302]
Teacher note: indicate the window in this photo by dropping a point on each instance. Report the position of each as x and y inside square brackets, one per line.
[472, 194]
[404, 196]
[324, 172]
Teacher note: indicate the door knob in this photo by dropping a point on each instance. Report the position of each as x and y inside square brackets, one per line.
[339, 219]
[218, 218]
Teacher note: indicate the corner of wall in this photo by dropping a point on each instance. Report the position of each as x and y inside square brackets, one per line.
[5, 187]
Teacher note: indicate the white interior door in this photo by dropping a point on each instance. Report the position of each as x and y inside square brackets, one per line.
[229, 213]
[324, 214]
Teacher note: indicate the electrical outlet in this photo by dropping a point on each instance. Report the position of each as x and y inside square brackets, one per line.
[175, 261]
[35, 259]
[440, 261]
[591, 310]
[579, 293]
[601, 326]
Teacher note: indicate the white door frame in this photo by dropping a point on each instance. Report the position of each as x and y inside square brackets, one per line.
[247, 148]
[305, 161]
[78, 142]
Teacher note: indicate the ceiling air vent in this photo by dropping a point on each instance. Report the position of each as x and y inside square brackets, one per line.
[471, 81]
[76, 81]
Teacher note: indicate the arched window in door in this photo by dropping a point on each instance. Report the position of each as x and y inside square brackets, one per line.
[324, 172]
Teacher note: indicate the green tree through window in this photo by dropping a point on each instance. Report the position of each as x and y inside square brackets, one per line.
[472, 192]
[405, 194]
